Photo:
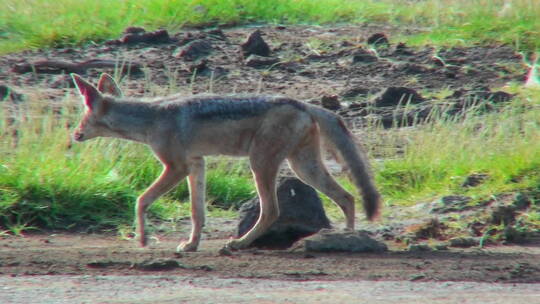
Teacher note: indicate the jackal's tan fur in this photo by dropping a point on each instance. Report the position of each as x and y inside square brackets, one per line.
[182, 130]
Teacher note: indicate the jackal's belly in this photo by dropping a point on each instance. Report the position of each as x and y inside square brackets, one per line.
[226, 139]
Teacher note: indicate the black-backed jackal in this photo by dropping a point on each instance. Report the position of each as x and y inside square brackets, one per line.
[182, 130]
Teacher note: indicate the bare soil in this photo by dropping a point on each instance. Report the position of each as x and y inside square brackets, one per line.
[101, 254]
[312, 62]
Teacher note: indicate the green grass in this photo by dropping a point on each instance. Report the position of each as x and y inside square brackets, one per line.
[26, 24]
[428, 161]
[438, 156]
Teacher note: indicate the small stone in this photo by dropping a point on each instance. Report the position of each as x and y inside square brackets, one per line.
[331, 102]
[500, 96]
[225, 252]
[134, 30]
[452, 203]
[522, 201]
[194, 50]
[7, 93]
[331, 241]
[256, 61]
[464, 242]
[503, 214]
[363, 56]
[512, 235]
[394, 96]
[474, 180]
[419, 247]
[378, 39]
[158, 265]
[255, 45]
[354, 92]
[403, 49]
[417, 277]
[441, 247]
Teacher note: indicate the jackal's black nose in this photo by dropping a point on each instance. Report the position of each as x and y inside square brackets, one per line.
[78, 136]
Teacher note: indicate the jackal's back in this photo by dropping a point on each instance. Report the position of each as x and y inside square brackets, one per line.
[214, 107]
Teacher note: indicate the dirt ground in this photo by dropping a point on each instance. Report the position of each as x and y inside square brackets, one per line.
[98, 268]
[98, 254]
[312, 62]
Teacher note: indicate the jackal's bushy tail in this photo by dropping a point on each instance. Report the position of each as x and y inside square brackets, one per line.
[334, 132]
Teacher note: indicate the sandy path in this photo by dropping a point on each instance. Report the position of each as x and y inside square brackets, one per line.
[182, 289]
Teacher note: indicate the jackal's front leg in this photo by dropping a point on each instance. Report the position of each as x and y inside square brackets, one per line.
[170, 176]
[197, 189]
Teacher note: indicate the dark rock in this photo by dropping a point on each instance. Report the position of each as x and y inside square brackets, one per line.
[363, 56]
[452, 203]
[464, 242]
[503, 214]
[403, 49]
[476, 228]
[331, 241]
[474, 180]
[301, 214]
[255, 45]
[8, 94]
[513, 235]
[500, 96]
[134, 30]
[105, 264]
[438, 61]
[403, 117]
[198, 67]
[135, 35]
[441, 247]
[430, 229]
[158, 265]
[417, 277]
[410, 68]
[522, 201]
[394, 96]
[330, 102]
[358, 106]
[354, 92]
[194, 50]
[225, 252]
[378, 39]
[419, 248]
[256, 61]
[217, 34]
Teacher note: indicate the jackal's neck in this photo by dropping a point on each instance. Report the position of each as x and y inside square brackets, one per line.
[131, 120]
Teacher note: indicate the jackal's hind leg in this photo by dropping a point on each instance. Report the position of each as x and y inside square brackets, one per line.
[265, 179]
[308, 166]
[197, 185]
[170, 176]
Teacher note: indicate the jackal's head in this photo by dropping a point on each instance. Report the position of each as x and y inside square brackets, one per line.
[93, 123]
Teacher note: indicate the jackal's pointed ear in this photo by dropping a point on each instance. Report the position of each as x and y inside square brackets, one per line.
[90, 94]
[107, 85]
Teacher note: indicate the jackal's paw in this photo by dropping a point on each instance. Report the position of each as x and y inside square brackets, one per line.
[235, 244]
[187, 246]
